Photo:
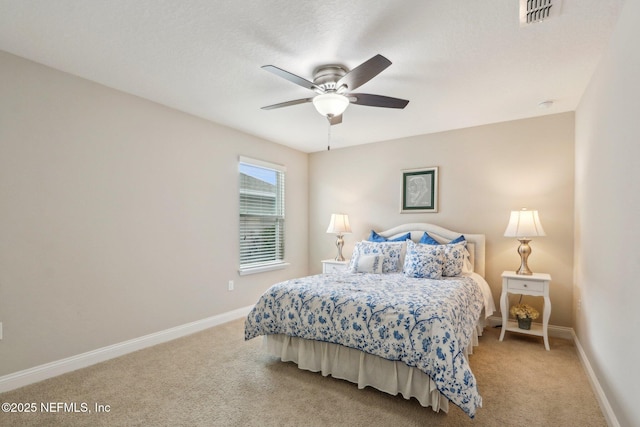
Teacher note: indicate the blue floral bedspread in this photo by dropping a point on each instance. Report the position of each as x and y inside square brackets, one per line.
[424, 323]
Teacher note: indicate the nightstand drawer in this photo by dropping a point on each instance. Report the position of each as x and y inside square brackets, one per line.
[333, 266]
[525, 285]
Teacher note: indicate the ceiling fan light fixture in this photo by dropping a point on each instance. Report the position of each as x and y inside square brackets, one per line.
[334, 85]
[330, 104]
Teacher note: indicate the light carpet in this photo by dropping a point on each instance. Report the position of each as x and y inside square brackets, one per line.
[215, 378]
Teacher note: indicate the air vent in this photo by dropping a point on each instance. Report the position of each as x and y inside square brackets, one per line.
[532, 11]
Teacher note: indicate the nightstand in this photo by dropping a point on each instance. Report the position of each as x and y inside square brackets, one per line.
[333, 266]
[536, 284]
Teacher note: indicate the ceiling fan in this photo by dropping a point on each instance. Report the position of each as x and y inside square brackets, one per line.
[333, 85]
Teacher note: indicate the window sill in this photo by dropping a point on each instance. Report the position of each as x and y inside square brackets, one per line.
[244, 271]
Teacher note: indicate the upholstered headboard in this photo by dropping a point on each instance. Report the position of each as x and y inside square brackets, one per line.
[475, 242]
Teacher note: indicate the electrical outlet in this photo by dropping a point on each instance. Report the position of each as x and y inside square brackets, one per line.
[579, 304]
[230, 285]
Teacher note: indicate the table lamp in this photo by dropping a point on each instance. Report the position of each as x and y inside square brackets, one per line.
[339, 225]
[523, 225]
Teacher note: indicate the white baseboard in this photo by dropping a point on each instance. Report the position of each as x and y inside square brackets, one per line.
[607, 411]
[59, 367]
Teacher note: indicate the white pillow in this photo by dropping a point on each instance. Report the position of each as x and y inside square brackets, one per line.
[423, 261]
[389, 251]
[368, 264]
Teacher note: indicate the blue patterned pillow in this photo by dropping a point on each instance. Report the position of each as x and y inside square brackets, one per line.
[390, 252]
[375, 237]
[423, 261]
[454, 256]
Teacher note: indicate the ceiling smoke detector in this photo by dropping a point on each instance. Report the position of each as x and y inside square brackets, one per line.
[532, 11]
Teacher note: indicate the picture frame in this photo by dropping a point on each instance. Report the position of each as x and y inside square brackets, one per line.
[419, 190]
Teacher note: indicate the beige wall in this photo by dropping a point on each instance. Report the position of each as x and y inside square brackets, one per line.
[607, 212]
[484, 172]
[118, 217]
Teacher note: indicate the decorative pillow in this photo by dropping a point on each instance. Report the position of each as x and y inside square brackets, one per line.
[458, 240]
[467, 266]
[368, 264]
[389, 251]
[454, 256]
[375, 237]
[427, 239]
[454, 262]
[423, 261]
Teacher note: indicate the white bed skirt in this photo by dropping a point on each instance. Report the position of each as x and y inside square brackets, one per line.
[360, 368]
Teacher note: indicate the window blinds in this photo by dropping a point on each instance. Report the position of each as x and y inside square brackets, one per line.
[261, 213]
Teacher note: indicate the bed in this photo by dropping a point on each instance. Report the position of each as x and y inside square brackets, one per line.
[403, 317]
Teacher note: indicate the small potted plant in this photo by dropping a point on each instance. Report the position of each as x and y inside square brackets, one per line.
[525, 314]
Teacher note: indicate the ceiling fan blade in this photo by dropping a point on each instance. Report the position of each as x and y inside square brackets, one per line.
[377, 100]
[363, 72]
[292, 77]
[287, 104]
[335, 120]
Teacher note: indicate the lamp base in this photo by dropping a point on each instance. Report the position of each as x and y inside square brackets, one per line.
[524, 250]
[524, 271]
[339, 244]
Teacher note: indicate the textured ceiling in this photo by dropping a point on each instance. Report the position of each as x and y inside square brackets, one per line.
[461, 63]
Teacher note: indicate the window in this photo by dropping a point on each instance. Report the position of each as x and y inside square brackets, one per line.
[261, 216]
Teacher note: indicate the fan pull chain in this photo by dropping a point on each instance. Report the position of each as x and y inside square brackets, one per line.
[329, 134]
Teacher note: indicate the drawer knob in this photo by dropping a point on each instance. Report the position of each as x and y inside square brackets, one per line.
[525, 285]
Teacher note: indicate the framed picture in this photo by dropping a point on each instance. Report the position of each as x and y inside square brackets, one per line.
[419, 190]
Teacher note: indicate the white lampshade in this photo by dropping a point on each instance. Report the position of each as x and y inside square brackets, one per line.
[339, 224]
[524, 223]
[330, 104]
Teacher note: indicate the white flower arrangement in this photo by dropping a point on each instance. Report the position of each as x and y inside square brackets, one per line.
[523, 311]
